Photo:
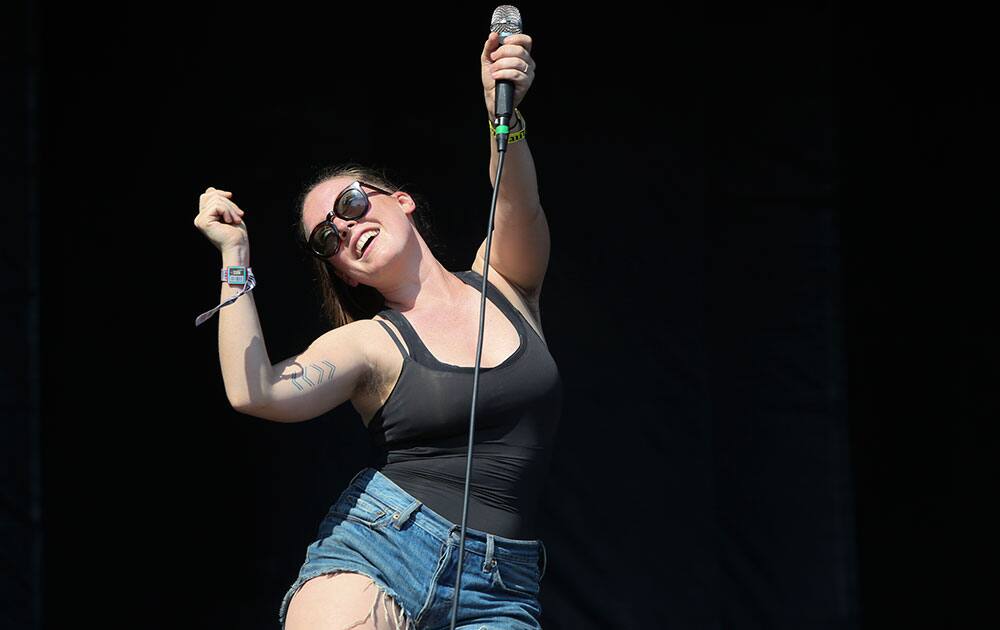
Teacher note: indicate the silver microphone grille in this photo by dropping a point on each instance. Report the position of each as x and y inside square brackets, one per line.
[506, 19]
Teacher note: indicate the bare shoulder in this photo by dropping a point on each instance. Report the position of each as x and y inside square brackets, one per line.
[368, 339]
[374, 341]
[385, 364]
[528, 305]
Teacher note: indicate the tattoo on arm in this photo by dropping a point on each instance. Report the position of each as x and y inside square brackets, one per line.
[313, 375]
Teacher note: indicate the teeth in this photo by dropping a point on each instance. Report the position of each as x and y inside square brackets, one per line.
[367, 236]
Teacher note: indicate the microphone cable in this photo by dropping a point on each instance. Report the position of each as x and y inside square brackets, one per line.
[506, 20]
[475, 385]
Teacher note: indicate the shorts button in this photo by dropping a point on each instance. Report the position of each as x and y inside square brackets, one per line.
[396, 515]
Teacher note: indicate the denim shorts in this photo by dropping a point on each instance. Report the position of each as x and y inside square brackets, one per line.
[411, 552]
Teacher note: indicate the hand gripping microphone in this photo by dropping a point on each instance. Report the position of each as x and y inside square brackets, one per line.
[506, 21]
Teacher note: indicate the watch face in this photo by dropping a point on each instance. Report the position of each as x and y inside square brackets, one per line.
[235, 275]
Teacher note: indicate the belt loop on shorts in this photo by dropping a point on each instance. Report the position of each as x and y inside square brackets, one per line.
[400, 517]
[543, 557]
[490, 561]
[356, 475]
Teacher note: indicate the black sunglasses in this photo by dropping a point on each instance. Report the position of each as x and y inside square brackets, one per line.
[351, 204]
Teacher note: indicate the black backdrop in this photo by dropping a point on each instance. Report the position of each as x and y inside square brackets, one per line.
[702, 324]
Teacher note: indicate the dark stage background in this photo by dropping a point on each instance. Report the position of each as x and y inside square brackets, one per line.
[725, 191]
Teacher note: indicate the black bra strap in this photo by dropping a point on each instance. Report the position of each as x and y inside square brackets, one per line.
[418, 352]
[395, 339]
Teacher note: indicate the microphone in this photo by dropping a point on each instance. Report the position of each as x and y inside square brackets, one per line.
[506, 21]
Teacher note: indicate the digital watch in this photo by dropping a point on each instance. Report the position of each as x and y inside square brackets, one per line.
[236, 276]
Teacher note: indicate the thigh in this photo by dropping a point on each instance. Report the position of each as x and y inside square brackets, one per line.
[343, 600]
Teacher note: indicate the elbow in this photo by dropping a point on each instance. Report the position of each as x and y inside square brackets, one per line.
[248, 409]
[241, 407]
[237, 402]
[264, 412]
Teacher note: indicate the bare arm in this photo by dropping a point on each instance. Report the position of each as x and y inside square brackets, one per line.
[320, 378]
[521, 241]
[301, 387]
[519, 250]
[246, 369]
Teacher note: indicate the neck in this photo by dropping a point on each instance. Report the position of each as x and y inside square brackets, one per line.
[425, 285]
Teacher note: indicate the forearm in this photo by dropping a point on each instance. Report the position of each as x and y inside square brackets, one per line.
[246, 368]
[518, 195]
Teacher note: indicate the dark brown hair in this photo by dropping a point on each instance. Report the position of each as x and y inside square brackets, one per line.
[342, 303]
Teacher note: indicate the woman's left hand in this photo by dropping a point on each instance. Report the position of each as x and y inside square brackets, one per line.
[511, 61]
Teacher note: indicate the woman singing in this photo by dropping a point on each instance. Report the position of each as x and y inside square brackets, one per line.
[402, 349]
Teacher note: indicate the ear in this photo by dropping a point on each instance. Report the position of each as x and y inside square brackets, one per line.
[405, 201]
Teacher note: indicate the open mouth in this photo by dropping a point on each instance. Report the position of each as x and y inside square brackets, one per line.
[366, 241]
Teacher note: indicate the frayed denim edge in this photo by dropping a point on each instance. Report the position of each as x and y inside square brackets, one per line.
[383, 591]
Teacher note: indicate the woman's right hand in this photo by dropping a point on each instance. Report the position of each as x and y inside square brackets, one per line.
[221, 220]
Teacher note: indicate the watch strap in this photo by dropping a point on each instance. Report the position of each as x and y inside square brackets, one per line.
[251, 283]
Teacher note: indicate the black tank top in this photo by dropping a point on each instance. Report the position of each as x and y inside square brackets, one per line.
[420, 435]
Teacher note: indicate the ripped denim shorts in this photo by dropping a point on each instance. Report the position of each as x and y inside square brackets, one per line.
[411, 553]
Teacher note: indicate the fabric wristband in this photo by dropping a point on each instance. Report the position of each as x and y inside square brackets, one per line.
[251, 282]
[513, 137]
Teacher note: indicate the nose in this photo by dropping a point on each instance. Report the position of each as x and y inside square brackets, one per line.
[345, 232]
